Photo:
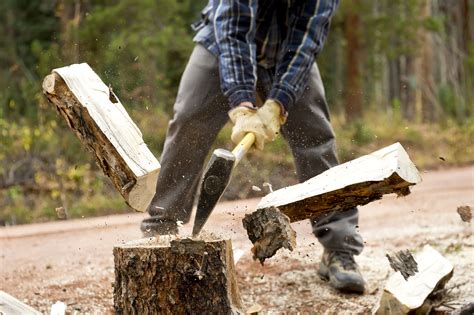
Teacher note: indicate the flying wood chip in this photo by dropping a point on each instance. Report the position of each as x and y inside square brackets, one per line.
[465, 212]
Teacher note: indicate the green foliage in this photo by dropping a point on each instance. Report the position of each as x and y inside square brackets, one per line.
[140, 48]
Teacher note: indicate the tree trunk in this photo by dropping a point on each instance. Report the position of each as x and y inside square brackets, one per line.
[101, 123]
[409, 96]
[353, 106]
[181, 276]
[394, 81]
[430, 106]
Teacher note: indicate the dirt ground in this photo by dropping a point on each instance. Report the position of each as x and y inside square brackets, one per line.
[71, 261]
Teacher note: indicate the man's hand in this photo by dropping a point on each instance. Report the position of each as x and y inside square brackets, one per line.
[264, 122]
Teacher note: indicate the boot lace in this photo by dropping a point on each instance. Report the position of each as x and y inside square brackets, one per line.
[347, 260]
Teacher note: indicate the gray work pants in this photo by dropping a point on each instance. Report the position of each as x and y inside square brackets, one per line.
[200, 112]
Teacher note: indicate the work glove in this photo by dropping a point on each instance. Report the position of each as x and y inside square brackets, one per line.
[263, 122]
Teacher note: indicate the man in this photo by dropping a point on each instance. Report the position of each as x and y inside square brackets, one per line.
[250, 47]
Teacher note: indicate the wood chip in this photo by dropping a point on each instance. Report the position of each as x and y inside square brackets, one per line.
[465, 212]
[61, 213]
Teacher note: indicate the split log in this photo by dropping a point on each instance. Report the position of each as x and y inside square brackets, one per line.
[406, 296]
[101, 123]
[175, 276]
[342, 187]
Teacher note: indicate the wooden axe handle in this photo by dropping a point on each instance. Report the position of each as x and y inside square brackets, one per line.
[243, 146]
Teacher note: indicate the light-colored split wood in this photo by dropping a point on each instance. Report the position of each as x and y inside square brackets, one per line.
[347, 185]
[405, 296]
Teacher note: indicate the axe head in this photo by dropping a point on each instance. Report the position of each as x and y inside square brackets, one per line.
[214, 182]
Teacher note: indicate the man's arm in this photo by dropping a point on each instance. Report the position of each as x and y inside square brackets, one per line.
[234, 29]
[308, 28]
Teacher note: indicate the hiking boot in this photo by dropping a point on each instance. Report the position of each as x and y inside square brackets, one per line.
[152, 227]
[342, 272]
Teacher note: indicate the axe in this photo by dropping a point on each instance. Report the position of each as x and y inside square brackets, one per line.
[216, 178]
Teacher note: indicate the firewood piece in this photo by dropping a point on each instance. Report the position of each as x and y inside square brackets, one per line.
[103, 126]
[175, 276]
[269, 230]
[403, 296]
[342, 187]
[347, 185]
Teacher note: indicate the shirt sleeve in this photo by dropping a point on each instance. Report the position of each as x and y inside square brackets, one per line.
[234, 30]
[308, 26]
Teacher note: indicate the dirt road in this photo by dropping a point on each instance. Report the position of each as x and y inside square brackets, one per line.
[71, 261]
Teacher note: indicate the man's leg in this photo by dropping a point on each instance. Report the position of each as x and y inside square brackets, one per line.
[311, 138]
[200, 112]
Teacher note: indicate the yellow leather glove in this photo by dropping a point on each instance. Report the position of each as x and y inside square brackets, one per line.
[246, 120]
[264, 123]
[272, 118]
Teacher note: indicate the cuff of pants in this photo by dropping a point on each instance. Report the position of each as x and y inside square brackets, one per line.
[337, 231]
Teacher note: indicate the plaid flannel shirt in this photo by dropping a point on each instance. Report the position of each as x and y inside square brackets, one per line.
[281, 36]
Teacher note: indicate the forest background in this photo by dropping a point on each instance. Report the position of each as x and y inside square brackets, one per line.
[393, 71]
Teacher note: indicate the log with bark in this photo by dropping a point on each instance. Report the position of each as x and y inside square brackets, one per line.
[342, 187]
[166, 275]
[103, 126]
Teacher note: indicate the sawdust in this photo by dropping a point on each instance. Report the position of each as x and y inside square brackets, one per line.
[167, 240]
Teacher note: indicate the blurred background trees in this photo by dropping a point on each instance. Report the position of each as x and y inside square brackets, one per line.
[394, 70]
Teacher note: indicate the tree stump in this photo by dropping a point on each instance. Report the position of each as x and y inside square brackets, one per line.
[175, 276]
[96, 116]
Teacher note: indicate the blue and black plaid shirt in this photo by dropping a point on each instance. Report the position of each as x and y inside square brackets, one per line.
[281, 36]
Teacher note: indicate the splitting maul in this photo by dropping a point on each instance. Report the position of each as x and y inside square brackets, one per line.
[216, 178]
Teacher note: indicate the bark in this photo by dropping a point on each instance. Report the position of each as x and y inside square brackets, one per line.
[102, 124]
[269, 230]
[181, 276]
